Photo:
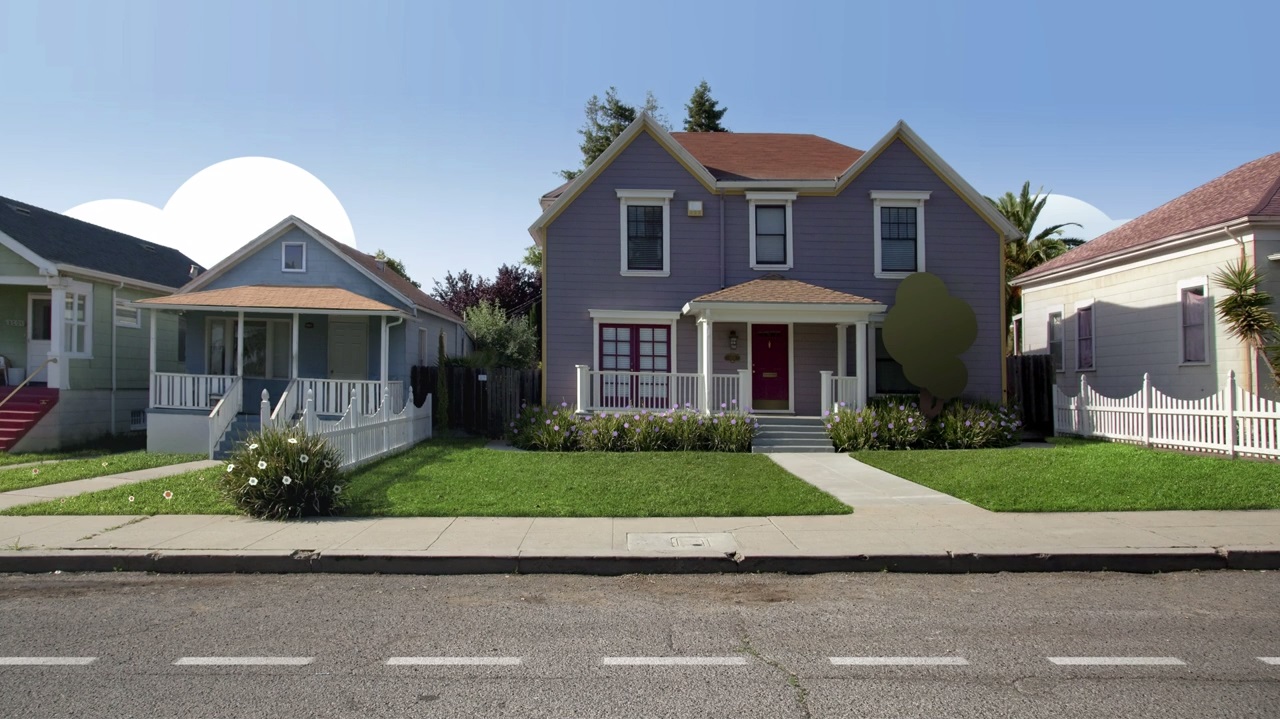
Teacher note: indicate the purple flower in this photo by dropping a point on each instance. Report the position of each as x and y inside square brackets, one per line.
[513, 424]
[733, 401]
[733, 421]
[825, 413]
[615, 433]
[828, 426]
[595, 431]
[911, 420]
[891, 425]
[555, 413]
[670, 421]
[968, 423]
[556, 428]
[982, 425]
[874, 435]
[626, 425]
[900, 407]
[548, 421]
[636, 417]
[859, 420]
[835, 418]
[564, 404]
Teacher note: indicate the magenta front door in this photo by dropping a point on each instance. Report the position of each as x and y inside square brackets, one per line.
[770, 370]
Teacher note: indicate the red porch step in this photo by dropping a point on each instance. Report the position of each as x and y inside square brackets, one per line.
[22, 412]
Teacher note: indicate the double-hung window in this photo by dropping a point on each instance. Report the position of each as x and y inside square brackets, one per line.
[127, 316]
[770, 228]
[77, 319]
[293, 257]
[899, 232]
[646, 232]
[1054, 333]
[1193, 303]
[1084, 337]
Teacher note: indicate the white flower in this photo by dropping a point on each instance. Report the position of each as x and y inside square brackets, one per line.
[304, 459]
[131, 498]
[253, 481]
[287, 480]
[253, 446]
[262, 464]
[168, 494]
[293, 440]
[230, 467]
[337, 489]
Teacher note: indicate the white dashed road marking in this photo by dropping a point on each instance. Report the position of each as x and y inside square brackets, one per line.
[898, 661]
[45, 661]
[673, 661]
[454, 661]
[243, 661]
[1118, 661]
[1269, 660]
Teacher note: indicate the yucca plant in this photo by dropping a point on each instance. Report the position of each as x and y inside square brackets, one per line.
[285, 474]
[1246, 312]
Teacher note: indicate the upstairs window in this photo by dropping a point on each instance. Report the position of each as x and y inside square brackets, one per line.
[770, 228]
[899, 232]
[1054, 333]
[1194, 305]
[646, 232]
[293, 257]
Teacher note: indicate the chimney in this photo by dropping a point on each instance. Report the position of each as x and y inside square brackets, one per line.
[194, 272]
[382, 265]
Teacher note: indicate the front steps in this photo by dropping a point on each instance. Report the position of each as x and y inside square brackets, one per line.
[243, 426]
[22, 412]
[791, 434]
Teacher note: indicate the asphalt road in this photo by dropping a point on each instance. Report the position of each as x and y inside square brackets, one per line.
[641, 646]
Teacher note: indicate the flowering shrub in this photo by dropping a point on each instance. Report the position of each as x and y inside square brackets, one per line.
[897, 423]
[284, 473]
[631, 430]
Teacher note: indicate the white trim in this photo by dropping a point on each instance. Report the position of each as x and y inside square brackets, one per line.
[916, 200]
[42, 265]
[73, 290]
[633, 317]
[646, 198]
[113, 278]
[1048, 335]
[284, 254]
[269, 310]
[1029, 286]
[1201, 282]
[770, 199]
[782, 313]
[26, 280]
[1019, 333]
[1093, 334]
[791, 367]
[120, 304]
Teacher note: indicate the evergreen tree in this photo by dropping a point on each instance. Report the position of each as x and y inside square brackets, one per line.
[606, 119]
[705, 112]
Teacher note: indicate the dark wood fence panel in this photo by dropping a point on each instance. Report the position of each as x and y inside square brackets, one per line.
[484, 401]
[1031, 380]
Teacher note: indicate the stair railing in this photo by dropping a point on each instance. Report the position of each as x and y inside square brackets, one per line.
[44, 364]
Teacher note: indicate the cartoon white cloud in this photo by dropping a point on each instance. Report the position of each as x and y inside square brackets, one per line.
[1064, 208]
[224, 206]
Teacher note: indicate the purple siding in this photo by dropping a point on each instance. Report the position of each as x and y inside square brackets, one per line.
[833, 247]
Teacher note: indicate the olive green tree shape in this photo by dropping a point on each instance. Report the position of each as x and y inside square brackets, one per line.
[926, 332]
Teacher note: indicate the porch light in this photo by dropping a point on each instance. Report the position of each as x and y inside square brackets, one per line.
[733, 339]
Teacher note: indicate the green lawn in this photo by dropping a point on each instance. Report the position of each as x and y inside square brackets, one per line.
[1085, 476]
[96, 448]
[72, 469]
[463, 478]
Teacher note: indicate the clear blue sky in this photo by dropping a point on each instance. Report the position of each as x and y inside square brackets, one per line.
[438, 125]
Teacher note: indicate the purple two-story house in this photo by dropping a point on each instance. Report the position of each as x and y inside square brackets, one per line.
[710, 269]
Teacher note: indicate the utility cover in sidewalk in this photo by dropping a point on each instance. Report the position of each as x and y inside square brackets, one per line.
[667, 542]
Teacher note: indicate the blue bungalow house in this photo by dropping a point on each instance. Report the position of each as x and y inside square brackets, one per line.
[292, 311]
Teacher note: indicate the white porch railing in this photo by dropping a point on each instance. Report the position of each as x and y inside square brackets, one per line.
[172, 390]
[288, 407]
[1233, 421]
[333, 395]
[224, 413]
[840, 391]
[608, 389]
[362, 437]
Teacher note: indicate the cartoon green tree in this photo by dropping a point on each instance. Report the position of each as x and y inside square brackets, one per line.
[926, 332]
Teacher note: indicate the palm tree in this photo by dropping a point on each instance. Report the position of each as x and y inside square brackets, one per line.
[1245, 310]
[1026, 252]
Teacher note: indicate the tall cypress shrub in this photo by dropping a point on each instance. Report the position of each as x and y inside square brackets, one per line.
[442, 389]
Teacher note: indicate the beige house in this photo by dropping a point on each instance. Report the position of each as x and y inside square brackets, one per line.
[1140, 299]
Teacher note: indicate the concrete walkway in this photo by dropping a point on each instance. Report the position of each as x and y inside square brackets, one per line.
[80, 486]
[897, 525]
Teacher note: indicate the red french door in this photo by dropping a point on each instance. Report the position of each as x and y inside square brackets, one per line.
[634, 360]
[770, 367]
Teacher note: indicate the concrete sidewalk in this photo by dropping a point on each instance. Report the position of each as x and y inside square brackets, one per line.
[897, 525]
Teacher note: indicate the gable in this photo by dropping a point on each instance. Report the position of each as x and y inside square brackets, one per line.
[324, 268]
[14, 265]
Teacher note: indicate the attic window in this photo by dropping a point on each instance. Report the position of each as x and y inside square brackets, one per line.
[293, 257]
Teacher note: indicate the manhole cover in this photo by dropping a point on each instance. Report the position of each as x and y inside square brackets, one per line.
[716, 542]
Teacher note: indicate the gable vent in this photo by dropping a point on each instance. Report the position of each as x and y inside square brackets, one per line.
[20, 210]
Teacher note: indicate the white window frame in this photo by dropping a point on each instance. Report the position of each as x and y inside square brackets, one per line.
[770, 199]
[284, 251]
[69, 324]
[646, 198]
[424, 348]
[633, 317]
[898, 198]
[1048, 334]
[134, 321]
[1202, 283]
[1017, 330]
[1093, 335]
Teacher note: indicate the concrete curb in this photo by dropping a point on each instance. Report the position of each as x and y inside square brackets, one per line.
[364, 562]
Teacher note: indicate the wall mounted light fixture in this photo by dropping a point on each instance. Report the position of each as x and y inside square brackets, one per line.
[733, 339]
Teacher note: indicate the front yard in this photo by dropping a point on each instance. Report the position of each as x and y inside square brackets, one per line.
[73, 469]
[444, 478]
[1086, 476]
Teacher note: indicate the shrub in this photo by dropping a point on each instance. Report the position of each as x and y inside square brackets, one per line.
[897, 423]
[442, 388]
[552, 429]
[635, 430]
[283, 474]
[975, 425]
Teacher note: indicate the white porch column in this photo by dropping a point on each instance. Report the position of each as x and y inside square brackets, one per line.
[584, 387]
[151, 382]
[384, 359]
[744, 390]
[705, 355]
[860, 360]
[240, 343]
[842, 349]
[293, 354]
[825, 393]
[57, 373]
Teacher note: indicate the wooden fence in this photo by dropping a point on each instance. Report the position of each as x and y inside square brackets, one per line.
[1233, 421]
[1031, 386]
[484, 401]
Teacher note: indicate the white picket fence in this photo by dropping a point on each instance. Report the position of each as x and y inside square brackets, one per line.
[361, 437]
[1232, 422]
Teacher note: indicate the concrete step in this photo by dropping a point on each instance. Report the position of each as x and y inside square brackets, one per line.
[788, 421]
[792, 432]
[794, 442]
[810, 449]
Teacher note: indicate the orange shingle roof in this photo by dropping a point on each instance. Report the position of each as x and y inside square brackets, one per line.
[276, 298]
[775, 288]
[768, 155]
[1253, 189]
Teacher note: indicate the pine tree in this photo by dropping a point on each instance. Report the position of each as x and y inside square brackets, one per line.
[606, 119]
[705, 112]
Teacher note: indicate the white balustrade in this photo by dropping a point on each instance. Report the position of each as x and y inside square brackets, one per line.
[604, 390]
[172, 390]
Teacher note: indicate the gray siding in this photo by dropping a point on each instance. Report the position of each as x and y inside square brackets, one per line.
[833, 247]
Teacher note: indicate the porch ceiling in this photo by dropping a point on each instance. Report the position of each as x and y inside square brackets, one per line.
[267, 298]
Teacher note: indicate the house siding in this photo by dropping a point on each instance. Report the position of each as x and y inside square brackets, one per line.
[1137, 326]
[12, 264]
[833, 247]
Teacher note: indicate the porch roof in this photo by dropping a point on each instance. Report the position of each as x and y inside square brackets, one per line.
[776, 296]
[267, 298]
